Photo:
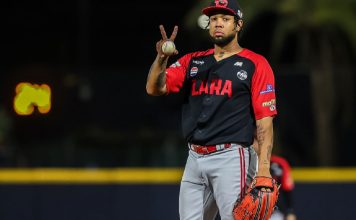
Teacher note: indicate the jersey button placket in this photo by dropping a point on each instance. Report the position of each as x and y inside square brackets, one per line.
[200, 131]
[207, 100]
[203, 117]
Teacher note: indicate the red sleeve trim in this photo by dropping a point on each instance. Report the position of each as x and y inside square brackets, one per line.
[176, 73]
[262, 86]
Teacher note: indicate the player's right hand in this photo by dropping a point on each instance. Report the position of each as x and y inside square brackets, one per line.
[165, 38]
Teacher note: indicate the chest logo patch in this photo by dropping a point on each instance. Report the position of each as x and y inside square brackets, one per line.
[198, 62]
[269, 89]
[193, 71]
[242, 75]
[238, 64]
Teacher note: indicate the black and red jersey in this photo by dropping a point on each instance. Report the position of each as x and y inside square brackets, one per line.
[223, 98]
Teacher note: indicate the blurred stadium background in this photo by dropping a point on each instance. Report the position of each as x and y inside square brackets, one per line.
[96, 146]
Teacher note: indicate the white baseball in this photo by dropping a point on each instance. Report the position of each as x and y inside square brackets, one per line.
[203, 22]
[168, 48]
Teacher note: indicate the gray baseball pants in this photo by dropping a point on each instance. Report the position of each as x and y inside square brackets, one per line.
[214, 182]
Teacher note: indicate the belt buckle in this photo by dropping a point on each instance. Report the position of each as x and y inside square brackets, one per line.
[205, 150]
[194, 148]
[199, 149]
[208, 149]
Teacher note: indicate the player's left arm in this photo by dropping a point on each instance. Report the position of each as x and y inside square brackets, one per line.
[264, 138]
[264, 106]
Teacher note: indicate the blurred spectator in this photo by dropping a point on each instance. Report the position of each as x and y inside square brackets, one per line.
[281, 171]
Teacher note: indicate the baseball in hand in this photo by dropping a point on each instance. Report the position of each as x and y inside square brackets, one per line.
[168, 47]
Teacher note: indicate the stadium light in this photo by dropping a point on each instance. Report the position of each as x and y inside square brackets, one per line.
[28, 96]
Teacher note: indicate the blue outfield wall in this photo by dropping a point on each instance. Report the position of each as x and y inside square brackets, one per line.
[22, 198]
[149, 202]
[88, 202]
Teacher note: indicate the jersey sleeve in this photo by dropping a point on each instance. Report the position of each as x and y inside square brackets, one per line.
[263, 90]
[175, 74]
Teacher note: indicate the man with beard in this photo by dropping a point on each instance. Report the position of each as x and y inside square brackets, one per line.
[229, 99]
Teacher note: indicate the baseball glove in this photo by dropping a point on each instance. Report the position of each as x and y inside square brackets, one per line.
[258, 204]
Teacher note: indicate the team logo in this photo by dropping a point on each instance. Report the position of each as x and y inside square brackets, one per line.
[242, 75]
[198, 62]
[271, 104]
[221, 3]
[269, 88]
[238, 64]
[193, 71]
[216, 87]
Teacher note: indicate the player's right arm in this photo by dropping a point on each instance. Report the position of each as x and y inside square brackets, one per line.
[156, 80]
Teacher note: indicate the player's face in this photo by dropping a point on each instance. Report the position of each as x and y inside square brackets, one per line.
[222, 29]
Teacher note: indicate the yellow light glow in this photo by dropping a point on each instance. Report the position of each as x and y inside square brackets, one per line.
[30, 95]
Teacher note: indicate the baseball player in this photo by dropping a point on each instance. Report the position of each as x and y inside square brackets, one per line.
[280, 170]
[229, 98]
